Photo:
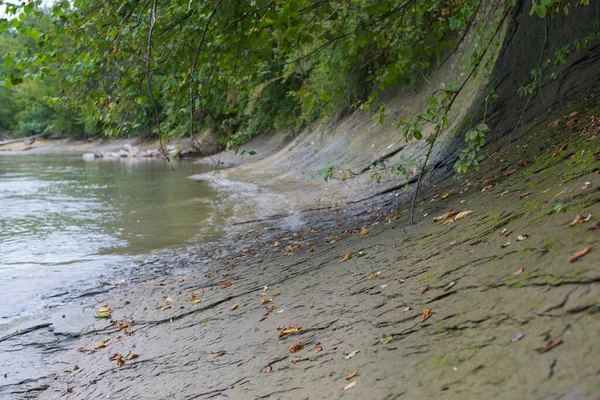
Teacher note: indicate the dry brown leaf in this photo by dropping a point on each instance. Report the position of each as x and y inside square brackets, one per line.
[580, 254]
[181, 280]
[256, 329]
[234, 307]
[578, 219]
[277, 293]
[269, 369]
[549, 346]
[523, 195]
[165, 308]
[100, 345]
[269, 309]
[518, 272]
[224, 285]
[594, 227]
[296, 360]
[265, 301]
[448, 222]
[352, 375]
[169, 300]
[289, 330]
[374, 275]
[346, 257]
[446, 195]
[296, 347]
[364, 231]
[318, 349]
[426, 288]
[475, 242]
[219, 354]
[463, 214]
[488, 187]
[505, 245]
[132, 356]
[449, 214]
[350, 386]
[510, 172]
[426, 314]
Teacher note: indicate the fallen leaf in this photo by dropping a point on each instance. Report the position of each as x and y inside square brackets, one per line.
[219, 354]
[488, 187]
[475, 242]
[578, 219]
[102, 315]
[463, 214]
[505, 245]
[374, 275]
[346, 257]
[265, 301]
[522, 163]
[448, 222]
[426, 288]
[277, 293]
[100, 345]
[426, 314]
[586, 219]
[352, 375]
[364, 231]
[407, 309]
[169, 300]
[449, 214]
[522, 196]
[549, 346]
[350, 355]
[446, 195]
[580, 254]
[296, 347]
[586, 186]
[132, 356]
[595, 226]
[318, 349]
[224, 285]
[181, 280]
[518, 272]
[502, 232]
[82, 350]
[269, 309]
[516, 337]
[522, 237]
[510, 172]
[289, 330]
[269, 369]
[386, 340]
[165, 308]
[234, 307]
[349, 386]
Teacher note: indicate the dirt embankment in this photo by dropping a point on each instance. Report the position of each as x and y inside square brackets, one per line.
[501, 302]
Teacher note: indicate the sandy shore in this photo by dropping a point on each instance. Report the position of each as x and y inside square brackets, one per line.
[487, 306]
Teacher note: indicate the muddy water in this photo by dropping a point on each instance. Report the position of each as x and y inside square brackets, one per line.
[66, 224]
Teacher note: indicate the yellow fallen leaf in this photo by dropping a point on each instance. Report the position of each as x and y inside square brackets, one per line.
[463, 214]
[346, 257]
[104, 310]
[100, 345]
[426, 314]
[374, 275]
[449, 214]
[277, 293]
[289, 330]
[165, 308]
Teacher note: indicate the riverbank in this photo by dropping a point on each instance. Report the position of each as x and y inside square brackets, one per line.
[490, 304]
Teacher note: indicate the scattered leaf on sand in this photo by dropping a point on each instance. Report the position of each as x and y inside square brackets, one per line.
[449, 286]
[132, 356]
[265, 301]
[549, 346]
[449, 214]
[463, 214]
[102, 315]
[426, 288]
[505, 245]
[296, 360]
[488, 187]
[277, 293]
[289, 330]
[586, 186]
[518, 272]
[234, 307]
[224, 285]
[352, 375]
[406, 309]
[522, 237]
[318, 349]
[475, 242]
[580, 254]
[595, 226]
[219, 354]
[510, 172]
[516, 337]
[523, 195]
[271, 308]
[169, 300]
[364, 231]
[446, 195]
[350, 386]
[426, 314]
[350, 355]
[346, 257]
[296, 347]
[269, 369]
[104, 310]
[448, 222]
[374, 275]
[578, 219]
[75, 367]
[586, 219]
[100, 345]
[386, 340]
[165, 308]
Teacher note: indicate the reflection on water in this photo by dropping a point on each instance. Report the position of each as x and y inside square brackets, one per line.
[63, 221]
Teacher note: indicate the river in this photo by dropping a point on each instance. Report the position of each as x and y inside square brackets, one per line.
[67, 224]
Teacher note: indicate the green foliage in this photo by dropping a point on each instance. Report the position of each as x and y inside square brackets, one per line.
[468, 157]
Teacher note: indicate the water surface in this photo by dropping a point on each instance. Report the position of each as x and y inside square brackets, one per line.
[66, 224]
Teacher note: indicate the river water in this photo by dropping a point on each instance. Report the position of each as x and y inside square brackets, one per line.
[66, 224]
